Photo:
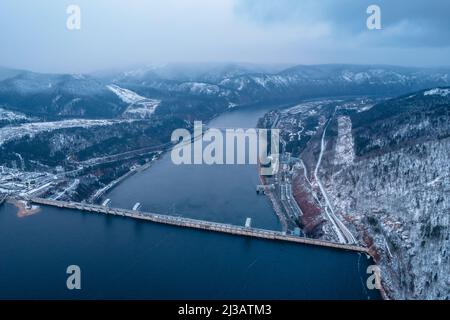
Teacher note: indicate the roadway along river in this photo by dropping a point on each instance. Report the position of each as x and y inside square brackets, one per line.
[123, 258]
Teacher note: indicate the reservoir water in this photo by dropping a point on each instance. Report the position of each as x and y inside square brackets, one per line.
[123, 258]
[221, 193]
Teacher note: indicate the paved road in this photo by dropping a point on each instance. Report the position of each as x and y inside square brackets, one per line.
[344, 235]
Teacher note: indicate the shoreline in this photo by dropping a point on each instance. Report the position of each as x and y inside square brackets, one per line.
[372, 252]
[22, 210]
[110, 186]
[275, 206]
[100, 192]
[94, 197]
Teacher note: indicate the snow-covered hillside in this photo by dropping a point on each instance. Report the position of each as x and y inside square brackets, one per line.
[140, 107]
[437, 91]
[6, 115]
[397, 191]
[125, 95]
[31, 129]
[109, 95]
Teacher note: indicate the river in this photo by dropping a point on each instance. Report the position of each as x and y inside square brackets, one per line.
[125, 259]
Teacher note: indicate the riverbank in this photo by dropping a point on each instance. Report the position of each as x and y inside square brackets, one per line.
[112, 185]
[219, 193]
[275, 205]
[2, 199]
[138, 168]
[24, 209]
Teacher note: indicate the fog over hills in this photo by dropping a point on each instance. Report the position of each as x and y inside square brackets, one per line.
[88, 96]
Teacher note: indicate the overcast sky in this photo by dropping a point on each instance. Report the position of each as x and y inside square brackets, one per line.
[121, 33]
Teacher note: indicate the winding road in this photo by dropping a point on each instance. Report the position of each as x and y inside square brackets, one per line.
[342, 232]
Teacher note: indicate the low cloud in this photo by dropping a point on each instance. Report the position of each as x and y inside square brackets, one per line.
[118, 33]
[413, 23]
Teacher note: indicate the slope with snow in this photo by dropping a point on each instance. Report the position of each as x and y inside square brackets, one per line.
[437, 91]
[125, 95]
[31, 129]
[6, 115]
[140, 107]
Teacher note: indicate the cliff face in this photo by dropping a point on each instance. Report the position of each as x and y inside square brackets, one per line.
[387, 172]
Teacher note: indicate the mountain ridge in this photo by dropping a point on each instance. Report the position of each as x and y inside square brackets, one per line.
[88, 96]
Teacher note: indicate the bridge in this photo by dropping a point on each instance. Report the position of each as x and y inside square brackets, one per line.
[196, 224]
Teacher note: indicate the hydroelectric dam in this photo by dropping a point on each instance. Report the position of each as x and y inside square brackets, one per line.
[246, 231]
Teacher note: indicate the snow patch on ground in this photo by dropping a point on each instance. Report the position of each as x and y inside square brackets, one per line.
[125, 95]
[344, 151]
[437, 91]
[31, 129]
[11, 116]
[199, 88]
[140, 107]
[78, 76]
[366, 108]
